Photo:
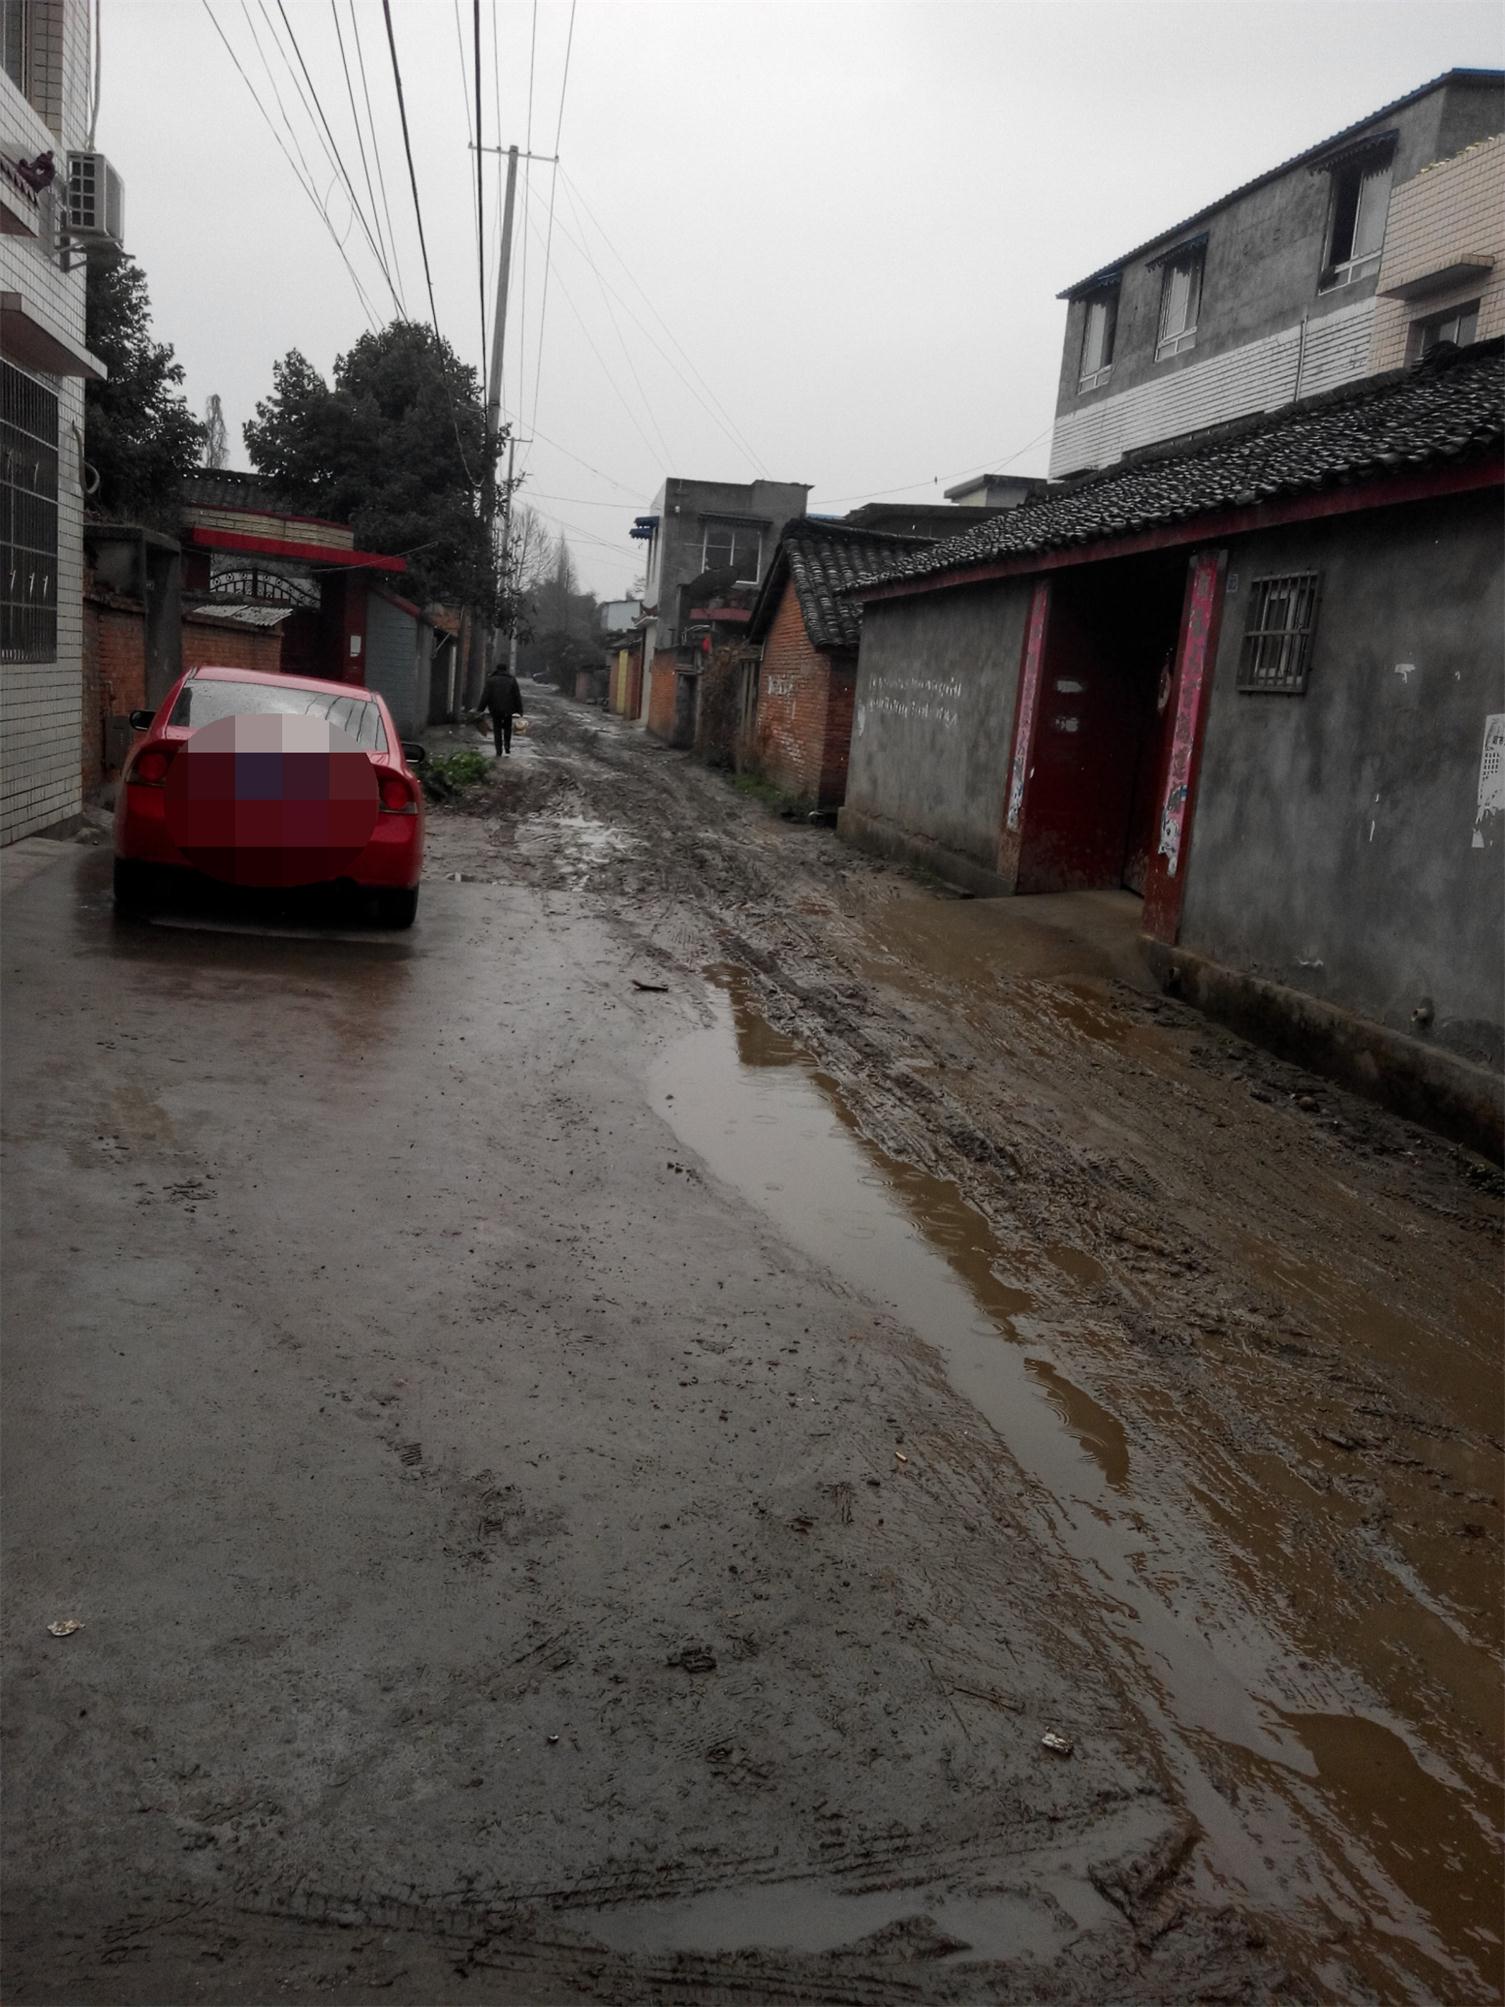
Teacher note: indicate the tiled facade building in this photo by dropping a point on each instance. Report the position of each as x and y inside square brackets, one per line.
[44, 109]
[1442, 277]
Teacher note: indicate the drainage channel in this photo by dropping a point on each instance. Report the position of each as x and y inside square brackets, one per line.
[1306, 1833]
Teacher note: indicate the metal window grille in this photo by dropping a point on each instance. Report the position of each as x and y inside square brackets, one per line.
[1278, 637]
[28, 518]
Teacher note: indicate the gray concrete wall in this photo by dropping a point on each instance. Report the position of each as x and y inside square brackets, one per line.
[1333, 846]
[397, 663]
[1265, 254]
[936, 680]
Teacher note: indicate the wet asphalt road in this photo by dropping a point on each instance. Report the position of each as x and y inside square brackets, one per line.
[472, 1407]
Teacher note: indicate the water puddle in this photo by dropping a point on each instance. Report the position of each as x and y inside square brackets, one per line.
[1211, 1673]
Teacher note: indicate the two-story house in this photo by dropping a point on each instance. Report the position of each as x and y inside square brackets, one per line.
[44, 129]
[1263, 297]
[725, 530]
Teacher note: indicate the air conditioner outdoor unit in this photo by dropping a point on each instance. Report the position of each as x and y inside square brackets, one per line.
[96, 200]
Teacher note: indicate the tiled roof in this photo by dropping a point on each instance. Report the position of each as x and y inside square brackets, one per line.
[1450, 409]
[1273, 173]
[824, 557]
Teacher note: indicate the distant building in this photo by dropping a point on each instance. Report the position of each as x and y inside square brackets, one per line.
[697, 530]
[1264, 297]
[44, 121]
[994, 491]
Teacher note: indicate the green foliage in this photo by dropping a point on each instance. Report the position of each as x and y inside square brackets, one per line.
[451, 773]
[396, 447]
[140, 436]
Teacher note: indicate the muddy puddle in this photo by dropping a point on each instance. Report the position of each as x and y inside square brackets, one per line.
[1346, 1815]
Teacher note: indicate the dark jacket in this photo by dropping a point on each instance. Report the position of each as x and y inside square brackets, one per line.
[501, 697]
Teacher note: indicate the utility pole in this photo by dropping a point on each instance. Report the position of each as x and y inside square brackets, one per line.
[494, 400]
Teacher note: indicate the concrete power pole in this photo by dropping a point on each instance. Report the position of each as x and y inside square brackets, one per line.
[481, 667]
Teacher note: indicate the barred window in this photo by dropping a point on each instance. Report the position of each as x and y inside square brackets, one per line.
[1278, 637]
[28, 518]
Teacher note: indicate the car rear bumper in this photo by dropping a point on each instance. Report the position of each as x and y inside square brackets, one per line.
[391, 861]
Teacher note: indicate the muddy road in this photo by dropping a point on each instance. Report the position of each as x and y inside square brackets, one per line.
[591, 1444]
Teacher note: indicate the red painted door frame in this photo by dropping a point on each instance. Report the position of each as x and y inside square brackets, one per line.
[1022, 745]
[1196, 658]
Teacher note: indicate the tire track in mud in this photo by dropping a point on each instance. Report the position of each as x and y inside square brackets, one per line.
[1174, 1173]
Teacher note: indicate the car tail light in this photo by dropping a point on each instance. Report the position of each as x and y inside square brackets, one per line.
[397, 795]
[149, 768]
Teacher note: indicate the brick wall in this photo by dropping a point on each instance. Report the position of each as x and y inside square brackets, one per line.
[1451, 211]
[663, 680]
[222, 644]
[41, 703]
[114, 670]
[804, 722]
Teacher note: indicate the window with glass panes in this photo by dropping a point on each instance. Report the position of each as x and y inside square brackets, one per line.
[28, 518]
[1180, 301]
[1459, 325]
[1099, 326]
[735, 547]
[1360, 208]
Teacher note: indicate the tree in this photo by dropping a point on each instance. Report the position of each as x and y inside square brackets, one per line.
[216, 446]
[395, 446]
[562, 622]
[140, 436]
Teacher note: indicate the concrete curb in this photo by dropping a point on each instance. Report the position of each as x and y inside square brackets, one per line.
[1451, 1095]
[902, 846]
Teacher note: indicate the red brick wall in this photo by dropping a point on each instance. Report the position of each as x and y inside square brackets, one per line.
[804, 723]
[114, 676]
[222, 645]
[662, 682]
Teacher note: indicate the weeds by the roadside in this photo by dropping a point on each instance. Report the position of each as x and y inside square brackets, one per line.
[450, 774]
[757, 788]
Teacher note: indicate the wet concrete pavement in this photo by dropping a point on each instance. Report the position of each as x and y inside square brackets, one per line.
[578, 1491]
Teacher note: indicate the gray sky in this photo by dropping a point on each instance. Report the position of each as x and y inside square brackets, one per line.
[819, 239]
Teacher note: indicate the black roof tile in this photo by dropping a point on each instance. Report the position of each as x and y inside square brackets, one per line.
[1448, 409]
[824, 557]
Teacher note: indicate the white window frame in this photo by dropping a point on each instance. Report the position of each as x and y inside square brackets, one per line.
[1340, 272]
[736, 530]
[1106, 298]
[1417, 344]
[1193, 261]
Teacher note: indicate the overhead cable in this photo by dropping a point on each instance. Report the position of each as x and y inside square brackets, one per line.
[338, 159]
[934, 480]
[543, 311]
[394, 275]
[407, 147]
[381, 179]
[480, 190]
[729, 425]
[304, 184]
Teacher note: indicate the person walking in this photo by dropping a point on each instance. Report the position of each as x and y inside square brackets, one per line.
[504, 700]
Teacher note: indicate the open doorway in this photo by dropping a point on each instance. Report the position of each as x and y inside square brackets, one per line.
[1101, 725]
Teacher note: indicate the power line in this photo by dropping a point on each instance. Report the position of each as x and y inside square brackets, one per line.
[475, 204]
[605, 365]
[381, 179]
[729, 425]
[622, 344]
[407, 147]
[931, 480]
[543, 312]
[334, 150]
[393, 275]
[710, 407]
[308, 190]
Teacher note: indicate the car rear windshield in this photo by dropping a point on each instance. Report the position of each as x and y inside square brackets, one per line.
[206, 701]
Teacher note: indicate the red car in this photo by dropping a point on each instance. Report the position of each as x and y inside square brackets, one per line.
[270, 781]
